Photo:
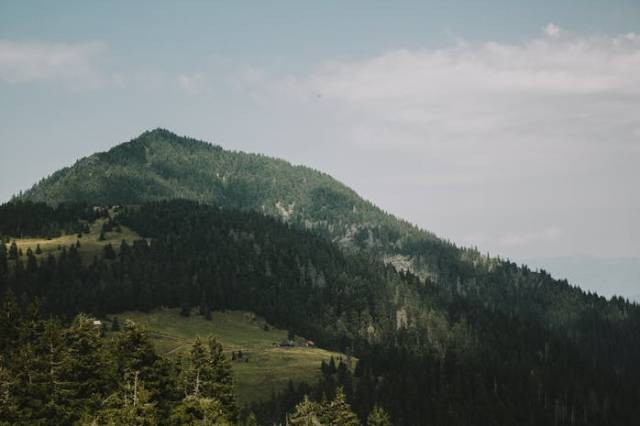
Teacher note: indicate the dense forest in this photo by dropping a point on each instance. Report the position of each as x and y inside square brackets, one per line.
[483, 343]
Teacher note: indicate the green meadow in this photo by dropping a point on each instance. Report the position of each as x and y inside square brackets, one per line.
[90, 244]
[264, 367]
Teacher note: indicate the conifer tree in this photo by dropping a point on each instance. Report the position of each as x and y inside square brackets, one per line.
[131, 405]
[8, 403]
[4, 267]
[38, 249]
[115, 324]
[208, 377]
[251, 420]
[135, 355]
[194, 411]
[339, 412]
[85, 368]
[306, 413]
[32, 263]
[378, 417]
[13, 251]
[108, 252]
[220, 385]
[9, 321]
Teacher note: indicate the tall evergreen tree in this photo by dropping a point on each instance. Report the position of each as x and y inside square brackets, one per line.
[85, 368]
[131, 405]
[378, 417]
[13, 251]
[339, 412]
[306, 413]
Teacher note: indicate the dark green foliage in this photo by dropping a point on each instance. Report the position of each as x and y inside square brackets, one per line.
[378, 417]
[334, 412]
[108, 252]
[13, 251]
[482, 341]
[20, 218]
[159, 165]
[55, 374]
[207, 386]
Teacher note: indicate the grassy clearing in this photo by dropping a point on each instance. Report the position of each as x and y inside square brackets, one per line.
[268, 367]
[90, 245]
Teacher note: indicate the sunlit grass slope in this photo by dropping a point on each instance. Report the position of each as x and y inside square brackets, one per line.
[265, 367]
[90, 244]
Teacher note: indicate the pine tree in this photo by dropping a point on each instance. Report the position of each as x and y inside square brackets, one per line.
[9, 322]
[338, 411]
[32, 263]
[131, 405]
[8, 404]
[4, 267]
[85, 367]
[108, 252]
[193, 374]
[208, 377]
[378, 417]
[115, 324]
[13, 251]
[185, 308]
[251, 420]
[220, 385]
[38, 249]
[306, 413]
[199, 411]
[134, 354]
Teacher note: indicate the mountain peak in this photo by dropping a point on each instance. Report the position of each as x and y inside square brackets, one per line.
[156, 134]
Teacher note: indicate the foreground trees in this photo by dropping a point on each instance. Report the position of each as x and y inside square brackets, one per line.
[63, 375]
[52, 374]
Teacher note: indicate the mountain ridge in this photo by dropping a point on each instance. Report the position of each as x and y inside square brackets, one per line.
[160, 165]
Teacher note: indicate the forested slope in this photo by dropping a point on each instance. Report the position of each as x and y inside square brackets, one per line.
[159, 165]
[516, 345]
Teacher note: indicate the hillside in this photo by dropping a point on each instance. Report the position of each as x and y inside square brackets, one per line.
[467, 337]
[264, 367]
[159, 165]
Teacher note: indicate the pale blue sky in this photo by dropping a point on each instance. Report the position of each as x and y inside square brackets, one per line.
[510, 125]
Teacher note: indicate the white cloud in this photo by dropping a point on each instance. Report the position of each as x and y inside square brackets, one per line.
[545, 97]
[74, 63]
[552, 30]
[484, 130]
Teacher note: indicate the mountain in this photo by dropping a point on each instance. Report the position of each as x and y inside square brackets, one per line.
[468, 339]
[159, 165]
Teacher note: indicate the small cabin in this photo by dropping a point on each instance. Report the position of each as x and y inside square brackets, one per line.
[310, 344]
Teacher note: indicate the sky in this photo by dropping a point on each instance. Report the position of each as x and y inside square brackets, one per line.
[513, 126]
